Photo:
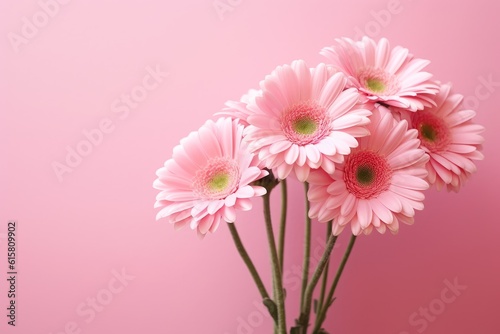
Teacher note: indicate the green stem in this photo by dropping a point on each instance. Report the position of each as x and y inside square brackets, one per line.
[329, 299]
[307, 251]
[321, 300]
[246, 258]
[281, 239]
[323, 262]
[277, 281]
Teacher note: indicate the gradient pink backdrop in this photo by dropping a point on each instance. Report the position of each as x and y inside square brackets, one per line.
[100, 218]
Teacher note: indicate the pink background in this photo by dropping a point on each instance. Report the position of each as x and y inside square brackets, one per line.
[73, 234]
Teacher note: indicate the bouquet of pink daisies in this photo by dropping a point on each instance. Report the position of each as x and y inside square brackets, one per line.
[366, 132]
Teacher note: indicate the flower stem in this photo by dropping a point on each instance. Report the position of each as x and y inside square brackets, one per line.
[329, 299]
[251, 267]
[323, 262]
[277, 280]
[321, 300]
[307, 251]
[281, 238]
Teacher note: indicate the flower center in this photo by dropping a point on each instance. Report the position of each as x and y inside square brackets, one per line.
[428, 133]
[304, 126]
[375, 85]
[305, 123]
[366, 174]
[432, 130]
[377, 81]
[218, 182]
[218, 179]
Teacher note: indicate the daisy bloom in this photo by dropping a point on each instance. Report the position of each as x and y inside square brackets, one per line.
[208, 178]
[304, 119]
[379, 184]
[448, 135]
[390, 76]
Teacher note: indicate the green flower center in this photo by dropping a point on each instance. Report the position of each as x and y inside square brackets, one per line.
[218, 182]
[375, 85]
[305, 122]
[428, 132]
[218, 179]
[305, 126]
[365, 175]
[433, 130]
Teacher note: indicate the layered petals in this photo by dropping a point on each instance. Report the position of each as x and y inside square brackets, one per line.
[238, 109]
[379, 184]
[451, 139]
[304, 119]
[391, 76]
[208, 178]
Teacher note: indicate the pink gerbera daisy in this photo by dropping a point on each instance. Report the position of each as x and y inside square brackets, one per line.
[450, 138]
[208, 177]
[379, 184]
[390, 76]
[303, 119]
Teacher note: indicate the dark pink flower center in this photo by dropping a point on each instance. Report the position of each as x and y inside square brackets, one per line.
[432, 130]
[218, 179]
[305, 123]
[366, 174]
[378, 82]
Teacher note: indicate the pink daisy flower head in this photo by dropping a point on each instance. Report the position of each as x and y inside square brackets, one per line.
[448, 135]
[208, 178]
[379, 184]
[304, 119]
[390, 76]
